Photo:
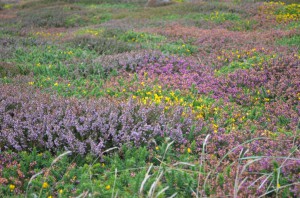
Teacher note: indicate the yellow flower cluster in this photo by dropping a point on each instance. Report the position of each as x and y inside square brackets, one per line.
[45, 185]
[269, 8]
[47, 34]
[157, 96]
[199, 106]
[238, 54]
[107, 187]
[12, 187]
[217, 16]
[93, 32]
[7, 6]
[291, 13]
[281, 11]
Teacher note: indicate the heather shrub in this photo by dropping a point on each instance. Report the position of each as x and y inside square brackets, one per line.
[9, 45]
[59, 16]
[91, 128]
[103, 46]
[8, 70]
[127, 61]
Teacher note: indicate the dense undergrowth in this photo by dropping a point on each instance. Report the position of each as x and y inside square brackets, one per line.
[114, 99]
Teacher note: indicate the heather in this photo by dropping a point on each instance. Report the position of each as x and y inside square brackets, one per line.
[121, 98]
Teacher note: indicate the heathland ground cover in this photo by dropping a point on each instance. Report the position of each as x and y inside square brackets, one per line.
[109, 98]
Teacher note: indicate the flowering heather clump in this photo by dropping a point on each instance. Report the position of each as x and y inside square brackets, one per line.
[38, 120]
[127, 61]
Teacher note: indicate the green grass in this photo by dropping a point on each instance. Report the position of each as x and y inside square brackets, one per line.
[290, 41]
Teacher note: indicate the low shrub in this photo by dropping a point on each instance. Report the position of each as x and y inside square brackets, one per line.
[103, 46]
[50, 123]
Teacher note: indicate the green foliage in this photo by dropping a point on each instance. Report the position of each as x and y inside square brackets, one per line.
[122, 170]
[290, 41]
[220, 17]
[240, 25]
[141, 37]
[178, 47]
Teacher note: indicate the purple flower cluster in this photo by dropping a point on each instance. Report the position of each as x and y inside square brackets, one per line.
[31, 119]
[280, 77]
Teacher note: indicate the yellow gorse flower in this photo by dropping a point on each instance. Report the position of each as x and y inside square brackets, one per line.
[12, 187]
[45, 185]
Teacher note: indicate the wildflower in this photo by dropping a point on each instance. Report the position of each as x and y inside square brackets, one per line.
[142, 83]
[45, 185]
[233, 127]
[107, 187]
[12, 187]
[50, 196]
[144, 101]
[103, 165]
[69, 84]
[167, 99]
[30, 83]
[278, 185]
[56, 84]
[189, 150]
[157, 148]
[61, 191]
[38, 65]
